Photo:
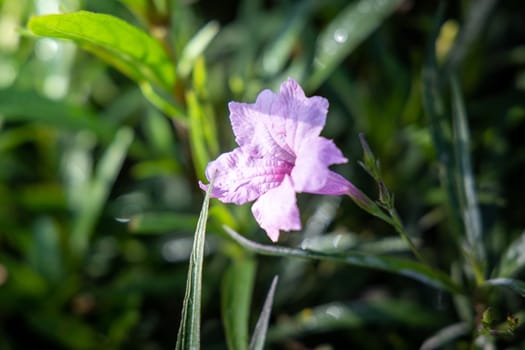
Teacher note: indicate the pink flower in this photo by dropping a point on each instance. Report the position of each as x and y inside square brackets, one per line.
[280, 154]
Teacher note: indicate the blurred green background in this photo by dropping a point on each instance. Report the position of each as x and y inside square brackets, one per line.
[99, 169]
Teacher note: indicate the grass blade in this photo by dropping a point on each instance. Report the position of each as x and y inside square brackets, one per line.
[513, 259]
[237, 290]
[446, 335]
[515, 285]
[465, 179]
[189, 330]
[408, 268]
[355, 22]
[97, 191]
[261, 328]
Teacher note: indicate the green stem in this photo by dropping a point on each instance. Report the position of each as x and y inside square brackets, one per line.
[398, 226]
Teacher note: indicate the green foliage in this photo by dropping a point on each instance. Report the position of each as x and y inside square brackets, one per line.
[111, 110]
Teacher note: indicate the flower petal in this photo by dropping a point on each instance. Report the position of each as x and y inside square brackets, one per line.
[241, 178]
[311, 174]
[276, 124]
[252, 126]
[303, 117]
[277, 210]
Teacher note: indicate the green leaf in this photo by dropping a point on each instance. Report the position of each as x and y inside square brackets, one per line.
[161, 222]
[468, 201]
[513, 260]
[516, 285]
[261, 327]
[97, 191]
[189, 331]
[14, 107]
[197, 126]
[359, 314]
[278, 52]
[353, 25]
[195, 47]
[446, 335]
[120, 44]
[237, 288]
[46, 256]
[408, 268]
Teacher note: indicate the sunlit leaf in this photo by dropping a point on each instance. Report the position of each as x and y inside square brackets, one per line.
[195, 47]
[122, 45]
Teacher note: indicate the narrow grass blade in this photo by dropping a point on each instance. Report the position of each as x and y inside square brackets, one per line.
[355, 23]
[516, 285]
[446, 335]
[513, 260]
[151, 223]
[197, 117]
[237, 288]
[360, 314]
[408, 268]
[261, 328]
[122, 45]
[195, 47]
[278, 52]
[439, 126]
[98, 190]
[465, 179]
[478, 14]
[189, 331]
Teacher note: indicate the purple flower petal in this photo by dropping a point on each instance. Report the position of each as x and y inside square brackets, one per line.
[280, 153]
[276, 123]
[277, 210]
[241, 178]
[311, 174]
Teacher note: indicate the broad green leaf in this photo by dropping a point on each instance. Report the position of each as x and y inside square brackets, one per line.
[353, 25]
[513, 260]
[189, 331]
[237, 288]
[97, 191]
[122, 45]
[261, 327]
[408, 268]
[465, 180]
[161, 222]
[516, 285]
